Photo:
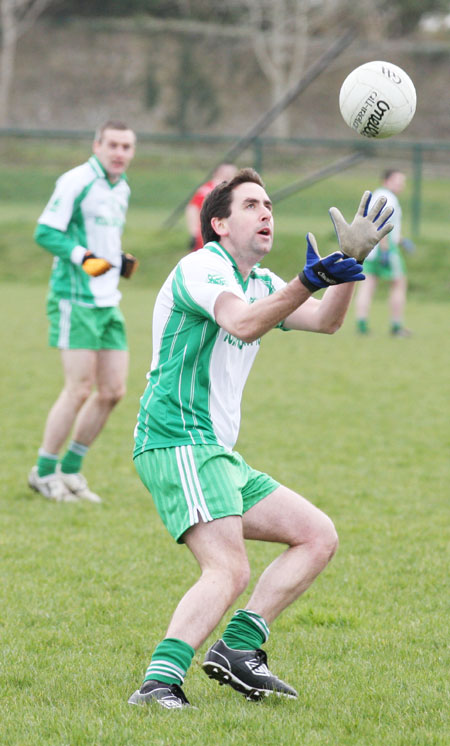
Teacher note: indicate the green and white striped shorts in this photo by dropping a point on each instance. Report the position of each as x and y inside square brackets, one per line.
[74, 327]
[192, 483]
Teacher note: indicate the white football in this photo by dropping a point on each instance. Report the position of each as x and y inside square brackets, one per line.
[377, 99]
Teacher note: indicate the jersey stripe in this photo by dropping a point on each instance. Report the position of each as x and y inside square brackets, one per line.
[182, 296]
[193, 493]
[206, 515]
[192, 514]
[65, 308]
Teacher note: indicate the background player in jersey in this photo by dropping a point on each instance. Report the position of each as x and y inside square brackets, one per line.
[385, 262]
[208, 319]
[223, 172]
[82, 226]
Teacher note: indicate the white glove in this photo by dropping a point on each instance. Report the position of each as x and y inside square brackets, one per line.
[367, 229]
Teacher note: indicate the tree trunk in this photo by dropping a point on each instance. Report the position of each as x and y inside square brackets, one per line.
[8, 51]
[277, 46]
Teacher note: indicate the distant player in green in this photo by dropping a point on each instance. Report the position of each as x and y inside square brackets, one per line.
[208, 321]
[82, 226]
[385, 262]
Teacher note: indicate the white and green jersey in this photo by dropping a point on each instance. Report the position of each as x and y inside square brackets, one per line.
[198, 370]
[85, 211]
[396, 218]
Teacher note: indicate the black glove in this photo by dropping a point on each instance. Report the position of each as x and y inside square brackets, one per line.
[129, 265]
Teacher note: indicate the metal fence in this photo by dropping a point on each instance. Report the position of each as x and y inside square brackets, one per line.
[313, 153]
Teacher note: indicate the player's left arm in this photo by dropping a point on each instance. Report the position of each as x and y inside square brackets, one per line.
[324, 315]
[250, 321]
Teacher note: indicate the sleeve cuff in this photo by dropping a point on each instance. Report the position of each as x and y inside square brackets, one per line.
[77, 254]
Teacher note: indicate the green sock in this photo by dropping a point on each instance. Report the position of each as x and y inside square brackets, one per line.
[170, 661]
[396, 326]
[46, 463]
[247, 630]
[362, 326]
[73, 458]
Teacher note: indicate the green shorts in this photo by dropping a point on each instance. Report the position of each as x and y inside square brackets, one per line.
[192, 483]
[392, 270]
[74, 327]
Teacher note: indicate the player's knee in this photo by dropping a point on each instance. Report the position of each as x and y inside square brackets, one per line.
[326, 540]
[238, 576]
[112, 395]
[80, 391]
[243, 578]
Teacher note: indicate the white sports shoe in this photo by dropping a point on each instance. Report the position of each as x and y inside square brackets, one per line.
[51, 486]
[78, 486]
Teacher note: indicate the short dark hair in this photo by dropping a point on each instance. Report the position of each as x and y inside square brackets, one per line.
[388, 173]
[111, 124]
[218, 202]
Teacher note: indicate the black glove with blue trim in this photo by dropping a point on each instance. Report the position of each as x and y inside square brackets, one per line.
[333, 269]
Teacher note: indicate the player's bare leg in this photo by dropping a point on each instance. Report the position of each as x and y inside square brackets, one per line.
[397, 303]
[287, 518]
[80, 369]
[110, 377]
[84, 410]
[363, 301]
[219, 549]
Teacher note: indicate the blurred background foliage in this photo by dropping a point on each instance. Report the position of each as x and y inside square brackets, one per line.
[398, 16]
[169, 65]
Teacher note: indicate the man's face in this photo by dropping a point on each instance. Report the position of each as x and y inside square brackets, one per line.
[397, 182]
[248, 231]
[115, 151]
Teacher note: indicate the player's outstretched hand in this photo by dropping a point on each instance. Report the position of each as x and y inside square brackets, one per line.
[129, 265]
[369, 226]
[333, 269]
[95, 265]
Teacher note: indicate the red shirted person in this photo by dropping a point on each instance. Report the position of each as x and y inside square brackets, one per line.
[223, 172]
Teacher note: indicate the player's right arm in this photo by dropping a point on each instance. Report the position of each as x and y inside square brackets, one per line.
[52, 230]
[58, 243]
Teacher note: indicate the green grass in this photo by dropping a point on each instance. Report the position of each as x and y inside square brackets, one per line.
[359, 426]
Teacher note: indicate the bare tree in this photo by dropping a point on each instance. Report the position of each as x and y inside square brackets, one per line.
[279, 37]
[280, 31]
[16, 17]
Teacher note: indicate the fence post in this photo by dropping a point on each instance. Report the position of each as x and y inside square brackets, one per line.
[257, 154]
[416, 199]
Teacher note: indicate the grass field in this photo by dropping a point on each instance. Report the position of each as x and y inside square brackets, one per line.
[360, 427]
